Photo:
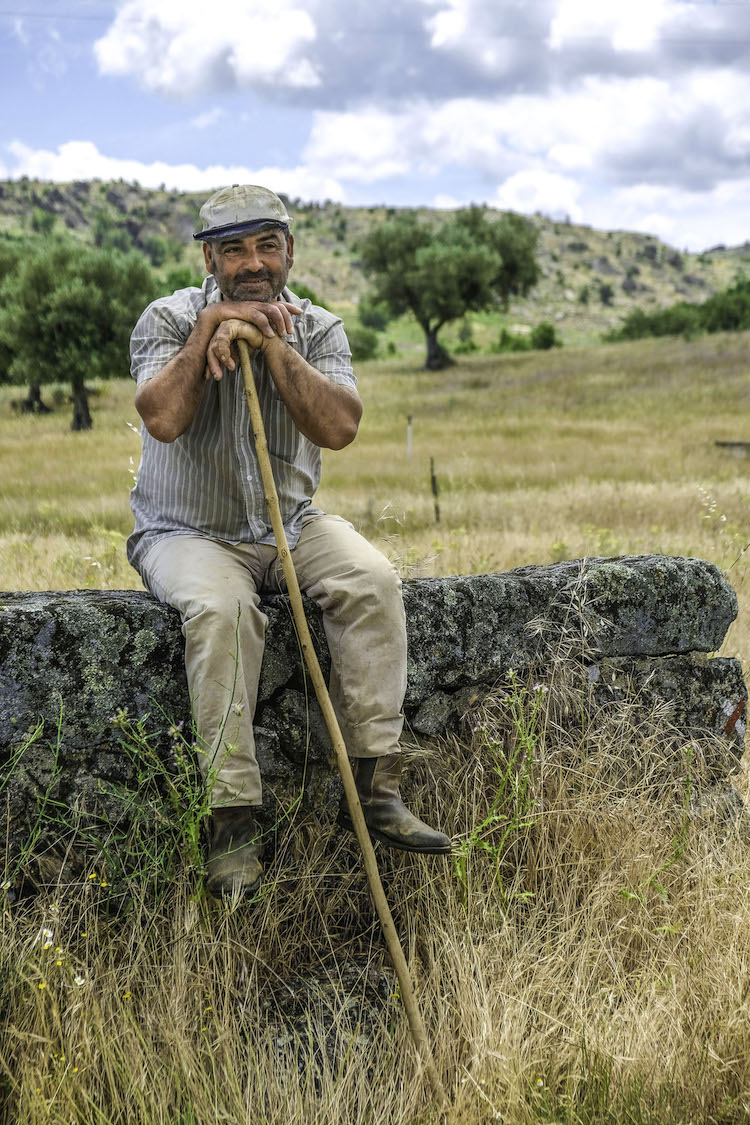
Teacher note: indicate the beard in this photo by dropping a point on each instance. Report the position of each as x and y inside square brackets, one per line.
[263, 286]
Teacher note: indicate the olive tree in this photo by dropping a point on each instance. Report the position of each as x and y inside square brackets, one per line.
[465, 264]
[66, 313]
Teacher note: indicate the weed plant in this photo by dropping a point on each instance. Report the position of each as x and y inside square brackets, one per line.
[581, 959]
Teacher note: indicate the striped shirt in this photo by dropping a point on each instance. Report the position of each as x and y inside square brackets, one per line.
[208, 481]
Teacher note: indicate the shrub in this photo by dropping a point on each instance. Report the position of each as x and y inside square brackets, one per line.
[304, 292]
[363, 342]
[727, 311]
[373, 314]
[157, 249]
[509, 342]
[182, 277]
[466, 342]
[42, 222]
[543, 336]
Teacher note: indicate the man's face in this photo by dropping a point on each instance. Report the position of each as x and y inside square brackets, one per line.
[253, 267]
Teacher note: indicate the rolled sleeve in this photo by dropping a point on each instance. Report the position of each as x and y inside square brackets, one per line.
[157, 337]
[331, 355]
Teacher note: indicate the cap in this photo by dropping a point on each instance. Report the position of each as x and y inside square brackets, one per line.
[240, 209]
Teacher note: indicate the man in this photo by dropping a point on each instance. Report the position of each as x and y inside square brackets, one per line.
[202, 540]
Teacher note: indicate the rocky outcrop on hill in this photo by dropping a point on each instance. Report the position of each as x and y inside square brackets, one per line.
[73, 664]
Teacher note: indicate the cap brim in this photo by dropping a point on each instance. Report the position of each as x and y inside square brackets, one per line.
[232, 230]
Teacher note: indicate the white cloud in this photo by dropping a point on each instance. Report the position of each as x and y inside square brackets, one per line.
[687, 132]
[570, 129]
[548, 192]
[443, 202]
[81, 160]
[365, 146]
[570, 156]
[629, 25]
[207, 119]
[179, 47]
[690, 219]
[20, 32]
[449, 25]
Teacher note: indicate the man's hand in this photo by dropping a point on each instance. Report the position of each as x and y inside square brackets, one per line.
[273, 318]
[221, 351]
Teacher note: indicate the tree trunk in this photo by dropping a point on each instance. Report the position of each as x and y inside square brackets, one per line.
[33, 404]
[437, 356]
[81, 412]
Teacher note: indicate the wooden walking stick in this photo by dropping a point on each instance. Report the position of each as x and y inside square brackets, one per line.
[416, 1024]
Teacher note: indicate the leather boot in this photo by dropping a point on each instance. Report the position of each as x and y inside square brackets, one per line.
[386, 815]
[233, 863]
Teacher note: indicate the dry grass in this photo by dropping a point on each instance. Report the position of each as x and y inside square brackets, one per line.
[584, 958]
[539, 457]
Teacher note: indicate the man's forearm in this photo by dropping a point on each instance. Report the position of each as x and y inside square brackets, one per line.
[327, 413]
[167, 403]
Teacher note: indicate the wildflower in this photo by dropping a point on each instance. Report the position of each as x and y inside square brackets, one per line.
[84, 933]
[541, 688]
[42, 984]
[93, 875]
[127, 995]
[58, 962]
[47, 945]
[238, 708]
[6, 885]
[48, 934]
[539, 1083]
[79, 979]
[104, 883]
[175, 730]
[75, 1070]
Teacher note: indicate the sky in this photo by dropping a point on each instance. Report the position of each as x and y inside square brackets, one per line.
[620, 114]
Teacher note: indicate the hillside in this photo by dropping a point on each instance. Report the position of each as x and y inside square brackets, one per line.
[590, 278]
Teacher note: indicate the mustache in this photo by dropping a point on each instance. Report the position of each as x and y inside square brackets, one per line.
[261, 275]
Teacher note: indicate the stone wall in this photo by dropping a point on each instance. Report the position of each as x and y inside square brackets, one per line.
[73, 660]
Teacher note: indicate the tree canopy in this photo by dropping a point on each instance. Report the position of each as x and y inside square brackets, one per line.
[466, 264]
[66, 314]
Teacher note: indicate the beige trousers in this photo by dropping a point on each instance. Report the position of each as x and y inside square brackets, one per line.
[216, 588]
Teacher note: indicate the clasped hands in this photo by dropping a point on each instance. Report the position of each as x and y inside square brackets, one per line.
[257, 322]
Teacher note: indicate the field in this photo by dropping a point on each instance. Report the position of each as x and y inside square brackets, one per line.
[538, 457]
[585, 959]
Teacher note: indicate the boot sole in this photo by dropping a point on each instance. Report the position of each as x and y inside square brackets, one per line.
[396, 845]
